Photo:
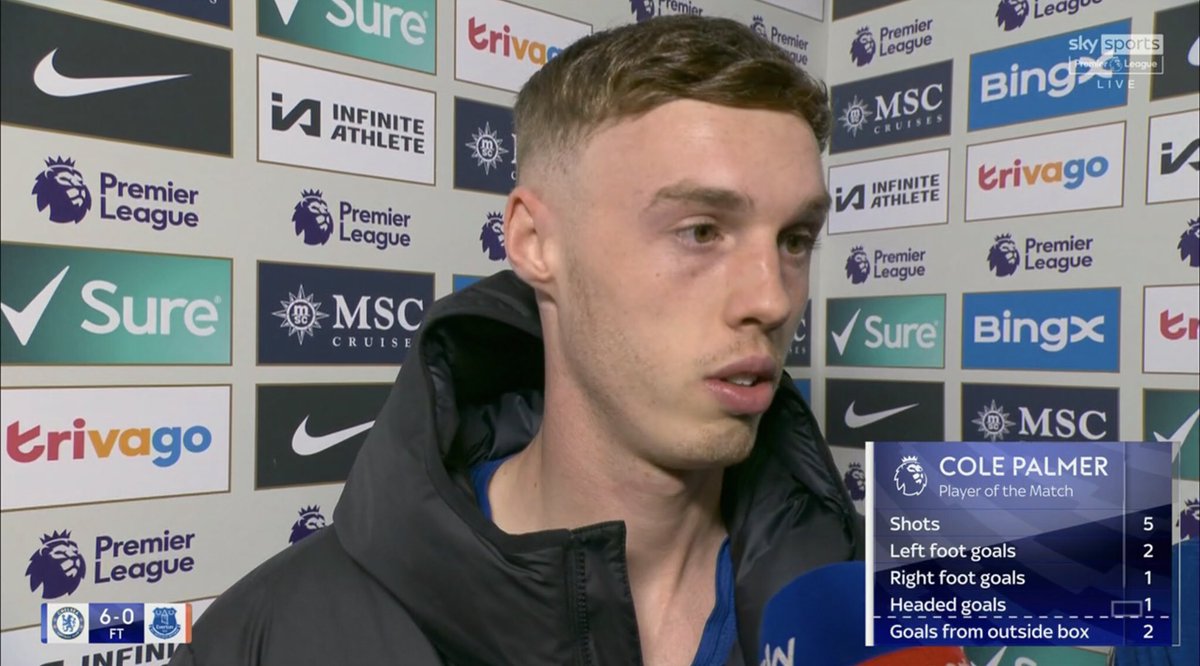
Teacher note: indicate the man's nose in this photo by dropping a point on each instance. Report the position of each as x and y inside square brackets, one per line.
[760, 291]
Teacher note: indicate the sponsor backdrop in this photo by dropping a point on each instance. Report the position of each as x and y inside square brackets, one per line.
[222, 226]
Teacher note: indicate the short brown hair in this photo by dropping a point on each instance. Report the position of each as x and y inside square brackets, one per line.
[632, 69]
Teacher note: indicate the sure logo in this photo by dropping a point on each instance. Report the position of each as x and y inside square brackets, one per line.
[892, 331]
[398, 32]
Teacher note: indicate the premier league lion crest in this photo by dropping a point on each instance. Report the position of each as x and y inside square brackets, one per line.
[642, 9]
[858, 265]
[910, 477]
[856, 482]
[759, 26]
[312, 219]
[862, 49]
[1189, 521]
[56, 567]
[311, 519]
[1011, 14]
[60, 188]
[1004, 258]
[164, 625]
[1189, 243]
[492, 237]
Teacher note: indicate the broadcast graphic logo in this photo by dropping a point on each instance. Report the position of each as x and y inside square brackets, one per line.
[903, 106]
[404, 36]
[60, 188]
[56, 567]
[300, 314]
[1042, 330]
[312, 219]
[311, 519]
[910, 477]
[68, 623]
[1053, 76]
[856, 482]
[1059, 255]
[1189, 244]
[164, 625]
[1001, 412]
[492, 237]
[1004, 258]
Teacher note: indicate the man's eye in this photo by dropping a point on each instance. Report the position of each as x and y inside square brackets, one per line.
[797, 243]
[702, 233]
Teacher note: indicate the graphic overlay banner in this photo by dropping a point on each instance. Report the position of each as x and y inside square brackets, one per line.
[1032, 543]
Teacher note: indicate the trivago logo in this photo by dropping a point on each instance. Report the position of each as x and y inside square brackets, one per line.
[70, 306]
[1171, 329]
[502, 44]
[397, 32]
[1053, 76]
[73, 445]
[61, 192]
[889, 331]
[1042, 330]
[1050, 173]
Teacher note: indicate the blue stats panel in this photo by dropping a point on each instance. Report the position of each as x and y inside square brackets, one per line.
[1053, 76]
[1072, 329]
[1021, 544]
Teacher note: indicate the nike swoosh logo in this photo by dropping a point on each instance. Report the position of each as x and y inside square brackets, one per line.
[25, 320]
[840, 339]
[859, 420]
[306, 445]
[49, 81]
[1194, 53]
[1182, 432]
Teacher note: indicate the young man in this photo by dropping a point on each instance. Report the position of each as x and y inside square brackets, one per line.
[596, 458]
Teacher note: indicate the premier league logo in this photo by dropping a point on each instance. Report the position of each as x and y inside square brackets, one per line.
[856, 482]
[1189, 521]
[492, 237]
[993, 422]
[56, 567]
[1011, 14]
[164, 625]
[642, 9]
[862, 50]
[910, 477]
[301, 315]
[312, 219]
[60, 187]
[759, 26]
[858, 266]
[1004, 257]
[1189, 244]
[309, 522]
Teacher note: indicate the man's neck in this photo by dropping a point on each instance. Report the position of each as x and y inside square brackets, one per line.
[569, 477]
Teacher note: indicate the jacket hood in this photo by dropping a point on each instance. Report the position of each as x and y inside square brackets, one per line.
[471, 390]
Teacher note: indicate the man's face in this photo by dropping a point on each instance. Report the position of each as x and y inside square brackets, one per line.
[686, 247]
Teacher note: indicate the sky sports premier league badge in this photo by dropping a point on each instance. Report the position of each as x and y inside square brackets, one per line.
[1025, 543]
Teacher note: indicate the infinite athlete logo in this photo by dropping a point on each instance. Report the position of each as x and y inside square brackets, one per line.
[1004, 257]
[910, 477]
[858, 265]
[492, 237]
[856, 482]
[56, 567]
[1189, 521]
[1011, 14]
[312, 219]
[1189, 244]
[862, 49]
[311, 519]
[60, 187]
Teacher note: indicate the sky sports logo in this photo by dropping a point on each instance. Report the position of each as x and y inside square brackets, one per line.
[403, 34]
[66, 305]
[1042, 330]
[501, 44]
[1054, 76]
[71, 445]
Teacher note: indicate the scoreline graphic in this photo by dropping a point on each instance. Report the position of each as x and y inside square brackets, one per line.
[117, 623]
[1020, 543]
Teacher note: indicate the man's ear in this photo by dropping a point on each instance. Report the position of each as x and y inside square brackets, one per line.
[528, 237]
